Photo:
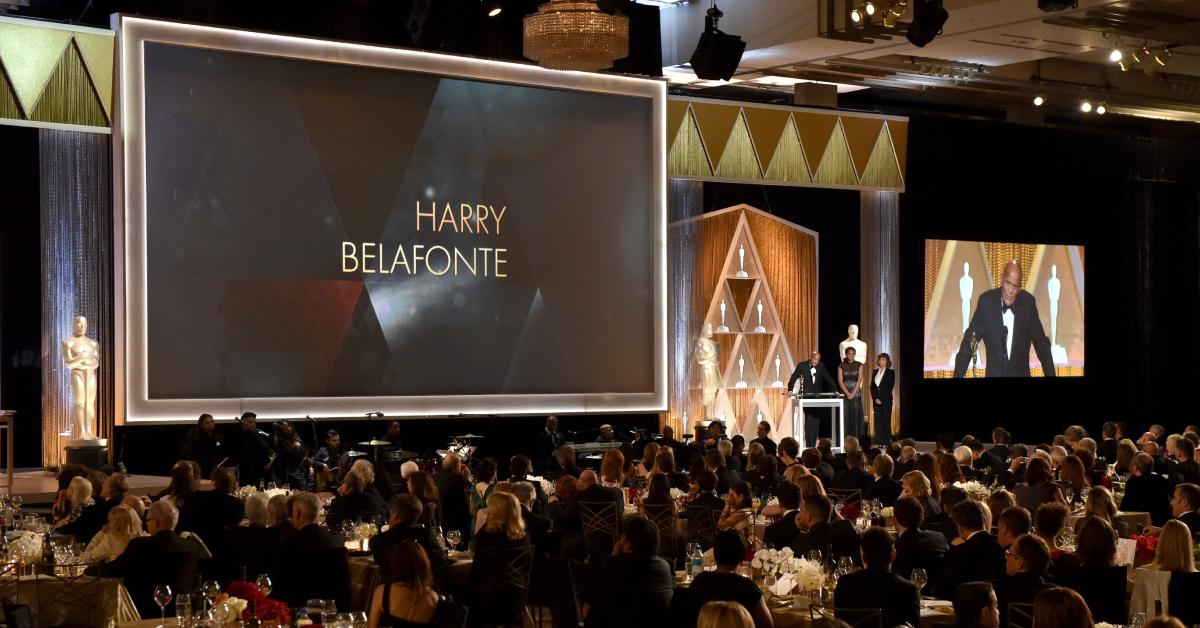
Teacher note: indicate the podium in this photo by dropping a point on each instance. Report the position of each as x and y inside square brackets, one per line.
[839, 420]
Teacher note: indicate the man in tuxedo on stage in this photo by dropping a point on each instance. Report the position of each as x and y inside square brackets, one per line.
[548, 442]
[1006, 320]
[814, 379]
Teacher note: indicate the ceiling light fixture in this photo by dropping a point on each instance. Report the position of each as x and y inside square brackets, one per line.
[493, 7]
[1162, 56]
[1085, 107]
[718, 54]
[1115, 56]
[575, 35]
[869, 7]
[856, 16]
[1102, 108]
[1038, 101]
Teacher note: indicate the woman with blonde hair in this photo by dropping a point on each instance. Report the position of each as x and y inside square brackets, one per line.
[1126, 450]
[123, 526]
[754, 454]
[795, 472]
[928, 466]
[649, 455]
[503, 528]
[1100, 503]
[79, 491]
[1174, 552]
[724, 615]
[917, 486]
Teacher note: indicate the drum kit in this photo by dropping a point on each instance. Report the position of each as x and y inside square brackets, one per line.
[464, 446]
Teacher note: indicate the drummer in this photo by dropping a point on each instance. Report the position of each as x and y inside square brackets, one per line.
[393, 435]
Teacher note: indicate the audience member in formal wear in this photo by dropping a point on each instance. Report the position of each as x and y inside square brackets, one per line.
[376, 486]
[977, 555]
[780, 534]
[818, 533]
[724, 584]
[927, 464]
[907, 461]
[1048, 523]
[123, 526]
[884, 488]
[917, 548]
[658, 492]
[855, 476]
[706, 495]
[1025, 565]
[1100, 503]
[208, 514]
[811, 459]
[983, 460]
[1012, 523]
[1174, 551]
[591, 491]
[765, 477]
[645, 465]
[1057, 607]
[1072, 479]
[251, 544]
[144, 565]
[535, 524]
[92, 518]
[548, 442]
[1185, 506]
[1107, 448]
[997, 503]
[950, 466]
[1038, 486]
[485, 483]
[182, 484]
[1095, 547]
[975, 606]
[352, 503]
[279, 516]
[951, 496]
[1186, 469]
[519, 468]
[724, 615]
[763, 438]
[407, 596]
[404, 513]
[916, 485]
[632, 578]
[310, 535]
[737, 513]
[664, 464]
[875, 586]
[564, 509]
[80, 495]
[714, 461]
[793, 473]
[453, 499]
[1001, 444]
[421, 485]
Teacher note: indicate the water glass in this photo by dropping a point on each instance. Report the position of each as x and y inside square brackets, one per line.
[183, 609]
[919, 578]
[1137, 620]
[454, 537]
[360, 619]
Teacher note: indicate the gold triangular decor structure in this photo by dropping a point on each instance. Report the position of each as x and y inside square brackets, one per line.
[69, 97]
[861, 135]
[676, 109]
[30, 54]
[9, 107]
[788, 163]
[837, 168]
[899, 131]
[715, 122]
[814, 130]
[882, 170]
[97, 52]
[766, 126]
[687, 157]
[738, 161]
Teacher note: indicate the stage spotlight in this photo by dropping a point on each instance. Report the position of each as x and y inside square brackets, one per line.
[889, 19]
[1085, 107]
[856, 16]
[1162, 56]
[928, 18]
[717, 55]
[1138, 55]
[1102, 108]
[869, 8]
[493, 7]
[1038, 100]
[1115, 56]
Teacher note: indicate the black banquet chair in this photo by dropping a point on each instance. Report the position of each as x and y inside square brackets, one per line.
[504, 588]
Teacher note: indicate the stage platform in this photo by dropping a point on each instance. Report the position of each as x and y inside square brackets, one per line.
[39, 487]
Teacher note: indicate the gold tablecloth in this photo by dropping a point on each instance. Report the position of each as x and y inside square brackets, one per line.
[81, 601]
[364, 577]
[933, 612]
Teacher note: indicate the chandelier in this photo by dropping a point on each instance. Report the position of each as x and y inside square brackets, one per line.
[575, 35]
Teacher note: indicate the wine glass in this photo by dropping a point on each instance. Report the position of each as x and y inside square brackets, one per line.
[919, 578]
[264, 584]
[1137, 620]
[211, 590]
[162, 597]
[17, 500]
[814, 556]
[454, 537]
[867, 506]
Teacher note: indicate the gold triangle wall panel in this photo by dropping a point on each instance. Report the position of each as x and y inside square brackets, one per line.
[69, 97]
[784, 145]
[55, 74]
[9, 107]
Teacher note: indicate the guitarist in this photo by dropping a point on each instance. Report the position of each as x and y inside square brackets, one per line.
[329, 462]
[291, 457]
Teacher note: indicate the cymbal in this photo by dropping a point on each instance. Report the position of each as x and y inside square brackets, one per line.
[375, 443]
[468, 436]
[354, 454]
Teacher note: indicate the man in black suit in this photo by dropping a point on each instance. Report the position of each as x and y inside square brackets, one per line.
[1186, 468]
[1001, 441]
[403, 514]
[1146, 491]
[917, 548]
[592, 492]
[714, 461]
[764, 438]
[535, 525]
[781, 533]
[942, 521]
[884, 488]
[706, 497]
[982, 460]
[819, 534]
[203, 445]
[1012, 523]
[978, 557]
[813, 379]
[876, 586]
[353, 502]
[163, 557]
[881, 398]
[1006, 320]
[548, 442]
[453, 491]
[632, 579]
[811, 459]
[255, 452]
[855, 477]
[1107, 448]
[1025, 565]
[92, 519]
[209, 514]
[311, 562]
[1184, 506]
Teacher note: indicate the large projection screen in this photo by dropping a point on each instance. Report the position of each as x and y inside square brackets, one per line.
[319, 228]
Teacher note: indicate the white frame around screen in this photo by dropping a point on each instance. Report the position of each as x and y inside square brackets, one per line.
[129, 184]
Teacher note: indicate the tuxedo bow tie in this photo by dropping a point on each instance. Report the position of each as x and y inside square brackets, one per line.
[1004, 308]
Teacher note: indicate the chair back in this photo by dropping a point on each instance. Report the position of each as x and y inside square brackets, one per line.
[17, 616]
[702, 525]
[504, 589]
[318, 573]
[1182, 601]
[449, 614]
[601, 526]
[664, 518]
[849, 496]
[1020, 615]
[860, 617]
[1102, 588]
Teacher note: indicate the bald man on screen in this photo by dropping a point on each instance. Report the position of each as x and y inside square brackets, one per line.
[1006, 321]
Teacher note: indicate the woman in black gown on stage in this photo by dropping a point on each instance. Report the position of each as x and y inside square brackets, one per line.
[850, 383]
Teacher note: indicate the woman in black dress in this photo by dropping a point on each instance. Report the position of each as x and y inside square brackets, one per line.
[850, 383]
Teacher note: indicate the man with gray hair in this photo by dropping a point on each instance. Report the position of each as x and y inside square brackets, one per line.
[454, 494]
[142, 565]
[535, 525]
[312, 561]
[1147, 491]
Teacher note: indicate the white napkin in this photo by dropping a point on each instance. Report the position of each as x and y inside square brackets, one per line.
[784, 585]
[1126, 549]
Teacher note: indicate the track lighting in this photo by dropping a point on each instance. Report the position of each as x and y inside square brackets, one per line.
[1162, 55]
[1085, 107]
[856, 16]
[1115, 56]
[493, 7]
[1101, 108]
[1038, 100]
[869, 7]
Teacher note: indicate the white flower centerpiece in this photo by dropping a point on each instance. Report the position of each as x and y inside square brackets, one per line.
[770, 561]
[975, 490]
[547, 485]
[26, 548]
